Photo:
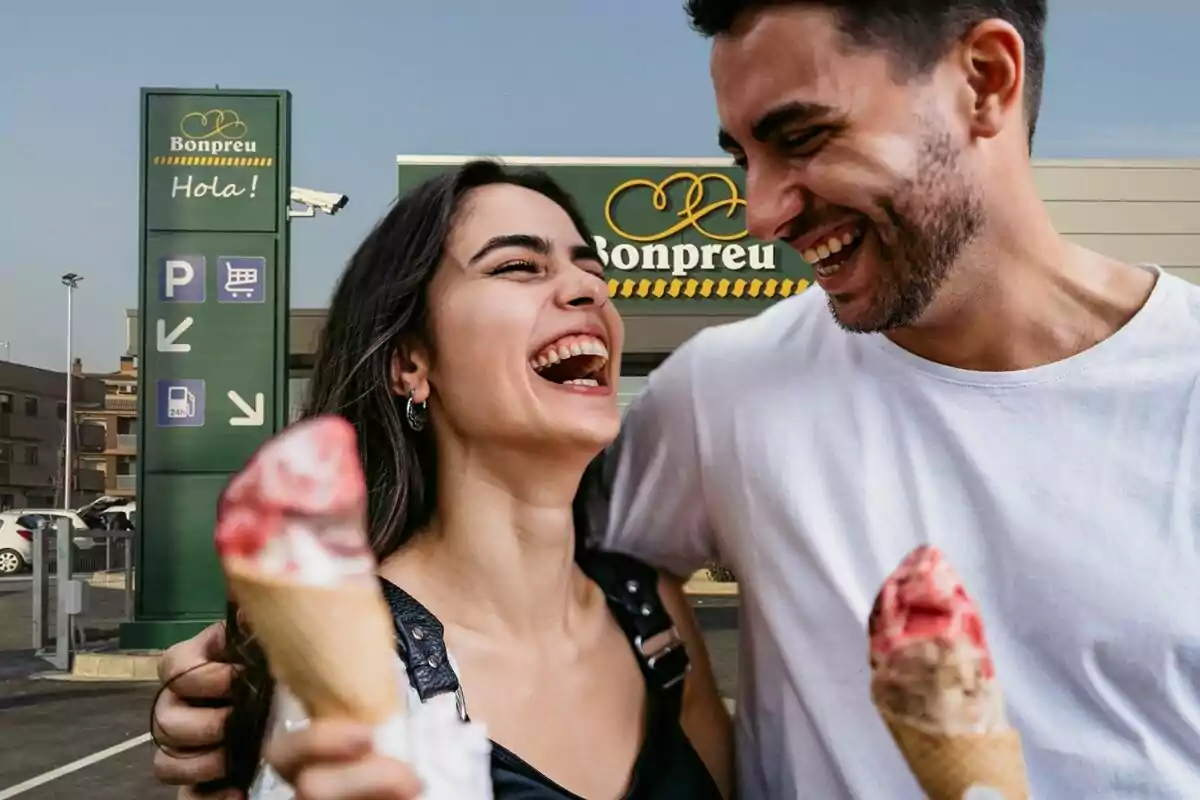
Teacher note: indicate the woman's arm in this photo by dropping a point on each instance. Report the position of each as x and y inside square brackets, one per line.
[704, 717]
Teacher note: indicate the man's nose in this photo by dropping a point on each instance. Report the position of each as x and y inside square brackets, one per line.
[773, 200]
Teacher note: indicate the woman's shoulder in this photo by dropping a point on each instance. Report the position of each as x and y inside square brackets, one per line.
[636, 598]
[616, 572]
[632, 584]
[421, 644]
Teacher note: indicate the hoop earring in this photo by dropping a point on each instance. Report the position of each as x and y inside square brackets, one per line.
[416, 414]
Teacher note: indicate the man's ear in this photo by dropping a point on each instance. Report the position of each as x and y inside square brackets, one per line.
[410, 373]
[994, 62]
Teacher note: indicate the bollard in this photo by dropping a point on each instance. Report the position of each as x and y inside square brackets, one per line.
[41, 592]
[62, 581]
[128, 547]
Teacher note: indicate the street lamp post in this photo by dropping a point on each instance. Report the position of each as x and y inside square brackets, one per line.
[71, 281]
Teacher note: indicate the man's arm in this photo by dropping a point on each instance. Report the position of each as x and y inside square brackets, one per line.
[650, 501]
[189, 714]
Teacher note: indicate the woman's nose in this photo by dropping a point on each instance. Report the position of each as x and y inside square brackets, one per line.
[583, 289]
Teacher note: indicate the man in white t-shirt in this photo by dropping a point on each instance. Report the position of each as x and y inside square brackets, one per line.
[963, 376]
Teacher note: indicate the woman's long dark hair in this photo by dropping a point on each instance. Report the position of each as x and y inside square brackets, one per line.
[380, 303]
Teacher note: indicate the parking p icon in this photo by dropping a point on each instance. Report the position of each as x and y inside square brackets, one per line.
[181, 279]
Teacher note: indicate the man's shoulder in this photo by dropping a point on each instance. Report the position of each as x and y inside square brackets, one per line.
[782, 337]
[1187, 294]
[802, 318]
[1166, 331]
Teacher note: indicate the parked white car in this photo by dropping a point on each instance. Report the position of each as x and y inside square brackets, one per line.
[79, 528]
[123, 516]
[16, 541]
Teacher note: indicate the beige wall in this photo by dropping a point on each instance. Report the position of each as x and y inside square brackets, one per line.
[1137, 211]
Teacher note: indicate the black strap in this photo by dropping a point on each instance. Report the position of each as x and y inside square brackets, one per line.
[631, 587]
[420, 640]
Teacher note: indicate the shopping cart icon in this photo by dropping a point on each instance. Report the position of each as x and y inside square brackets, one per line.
[242, 279]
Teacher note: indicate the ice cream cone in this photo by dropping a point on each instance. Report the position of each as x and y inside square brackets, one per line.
[948, 766]
[333, 647]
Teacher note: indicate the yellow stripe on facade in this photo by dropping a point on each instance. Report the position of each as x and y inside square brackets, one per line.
[213, 161]
[737, 288]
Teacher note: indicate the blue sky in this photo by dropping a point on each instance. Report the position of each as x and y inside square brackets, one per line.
[373, 78]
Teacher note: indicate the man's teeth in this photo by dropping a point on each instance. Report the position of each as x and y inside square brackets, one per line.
[835, 244]
[568, 347]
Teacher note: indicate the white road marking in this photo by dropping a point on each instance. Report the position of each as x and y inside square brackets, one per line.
[74, 766]
[87, 761]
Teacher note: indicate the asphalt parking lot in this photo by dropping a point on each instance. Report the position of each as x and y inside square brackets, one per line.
[87, 741]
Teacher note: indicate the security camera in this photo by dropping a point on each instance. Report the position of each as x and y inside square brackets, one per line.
[311, 199]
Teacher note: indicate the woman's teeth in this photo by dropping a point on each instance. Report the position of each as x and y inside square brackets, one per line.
[832, 246]
[568, 347]
[581, 382]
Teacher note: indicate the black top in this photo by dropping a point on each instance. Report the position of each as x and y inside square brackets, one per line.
[667, 768]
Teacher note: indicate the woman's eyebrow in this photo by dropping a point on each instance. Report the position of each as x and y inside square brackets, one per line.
[537, 244]
[584, 252]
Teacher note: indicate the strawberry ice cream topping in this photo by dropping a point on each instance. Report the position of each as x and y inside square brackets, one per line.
[298, 506]
[924, 601]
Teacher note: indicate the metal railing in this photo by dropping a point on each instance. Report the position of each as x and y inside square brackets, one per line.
[70, 593]
[115, 402]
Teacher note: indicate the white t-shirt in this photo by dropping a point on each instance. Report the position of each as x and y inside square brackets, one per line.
[811, 460]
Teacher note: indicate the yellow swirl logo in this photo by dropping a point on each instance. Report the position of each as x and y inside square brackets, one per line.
[695, 208]
[216, 123]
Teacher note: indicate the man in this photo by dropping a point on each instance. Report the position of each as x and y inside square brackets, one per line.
[963, 377]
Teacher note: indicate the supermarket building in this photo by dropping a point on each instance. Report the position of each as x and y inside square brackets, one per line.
[672, 233]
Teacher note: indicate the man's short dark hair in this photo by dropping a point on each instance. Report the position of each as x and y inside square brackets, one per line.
[916, 32]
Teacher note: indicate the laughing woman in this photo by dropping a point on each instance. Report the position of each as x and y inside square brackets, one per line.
[472, 344]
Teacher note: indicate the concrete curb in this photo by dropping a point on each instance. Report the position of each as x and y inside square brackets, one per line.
[701, 585]
[138, 667]
[114, 579]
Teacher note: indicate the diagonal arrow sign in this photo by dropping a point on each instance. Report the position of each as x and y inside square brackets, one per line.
[169, 342]
[254, 415]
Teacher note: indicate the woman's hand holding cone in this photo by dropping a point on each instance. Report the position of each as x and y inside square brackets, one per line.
[335, 760]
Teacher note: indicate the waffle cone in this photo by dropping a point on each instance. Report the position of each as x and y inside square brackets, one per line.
[947, 766]
[330, 646]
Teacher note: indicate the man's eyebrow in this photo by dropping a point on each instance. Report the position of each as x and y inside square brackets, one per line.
[535, 243]
[770, 123]
[788, 114]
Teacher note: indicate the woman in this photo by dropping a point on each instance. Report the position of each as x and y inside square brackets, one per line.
[472, 344]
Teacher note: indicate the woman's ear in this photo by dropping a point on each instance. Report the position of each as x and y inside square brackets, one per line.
[410, 373]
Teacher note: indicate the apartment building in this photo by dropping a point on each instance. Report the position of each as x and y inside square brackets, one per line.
[117, 415]
[33, 411]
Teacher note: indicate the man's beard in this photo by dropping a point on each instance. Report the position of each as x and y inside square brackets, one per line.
[933, 219]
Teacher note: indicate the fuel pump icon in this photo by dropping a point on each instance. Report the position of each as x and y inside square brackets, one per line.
[181, 403]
